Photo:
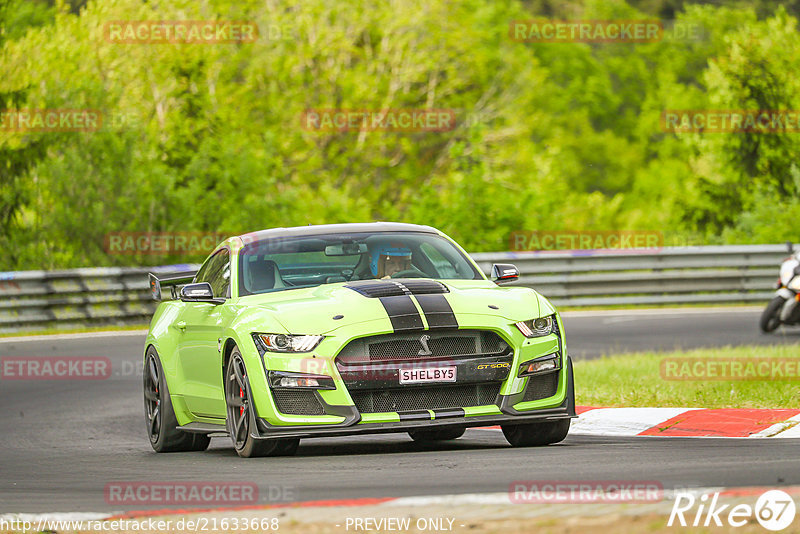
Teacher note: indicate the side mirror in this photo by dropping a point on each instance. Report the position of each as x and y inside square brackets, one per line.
[200, 292]
[503, 273]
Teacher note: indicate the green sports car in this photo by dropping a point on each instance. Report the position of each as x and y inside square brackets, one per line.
[344, 329]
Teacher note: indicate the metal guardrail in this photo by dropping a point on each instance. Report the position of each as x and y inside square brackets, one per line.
[31, 300]
[683, 275]
[673, 275]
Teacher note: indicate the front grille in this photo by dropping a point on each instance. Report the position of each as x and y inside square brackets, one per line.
[399, 347]
[541, 387]
[425, 398]
[297, 402]
[402, 349]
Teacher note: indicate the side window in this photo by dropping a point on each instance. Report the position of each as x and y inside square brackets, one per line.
[201, 273]
[217, 272]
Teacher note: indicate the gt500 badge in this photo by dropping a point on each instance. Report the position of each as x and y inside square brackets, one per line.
[500, 365]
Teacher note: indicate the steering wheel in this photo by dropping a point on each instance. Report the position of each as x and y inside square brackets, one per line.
[410, 273]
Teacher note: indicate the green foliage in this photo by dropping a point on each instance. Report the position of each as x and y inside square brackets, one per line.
[17, 16]
[209, 137]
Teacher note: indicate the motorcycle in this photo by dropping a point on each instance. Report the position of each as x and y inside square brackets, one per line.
[784, 308]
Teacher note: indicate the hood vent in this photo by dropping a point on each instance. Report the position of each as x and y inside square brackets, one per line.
[393, 288]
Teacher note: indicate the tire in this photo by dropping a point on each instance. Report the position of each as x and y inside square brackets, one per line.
[239, 406]
[159, 415]
[536, 434]
[771, 317]
[441, 434]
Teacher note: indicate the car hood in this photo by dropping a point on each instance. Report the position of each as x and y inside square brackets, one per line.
[328, 307]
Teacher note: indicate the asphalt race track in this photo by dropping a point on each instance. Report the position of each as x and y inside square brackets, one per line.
[592, 334]
[63, 441]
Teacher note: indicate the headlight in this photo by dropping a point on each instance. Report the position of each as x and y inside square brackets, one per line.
[288, 342]
[544, 364]
[537, 327]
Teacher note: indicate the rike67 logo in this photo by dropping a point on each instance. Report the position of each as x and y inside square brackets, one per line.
[774, 510]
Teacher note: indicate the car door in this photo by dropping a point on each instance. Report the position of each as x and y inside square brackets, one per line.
[199, 354]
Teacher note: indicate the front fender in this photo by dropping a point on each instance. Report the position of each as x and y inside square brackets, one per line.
[248, 321]
[785, 293]
[164, 337]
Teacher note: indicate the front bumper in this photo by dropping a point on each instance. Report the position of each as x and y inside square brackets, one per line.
[424, 419]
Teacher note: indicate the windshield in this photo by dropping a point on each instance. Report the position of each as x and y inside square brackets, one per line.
[287, 263]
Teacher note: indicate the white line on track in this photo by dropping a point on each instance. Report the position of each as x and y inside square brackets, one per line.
[79, 335]
[664, 311]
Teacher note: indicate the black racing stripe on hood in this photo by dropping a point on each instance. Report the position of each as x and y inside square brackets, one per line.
[423, 287]
[437, 311]
[400, 286]
[376, 288]
[402, 312]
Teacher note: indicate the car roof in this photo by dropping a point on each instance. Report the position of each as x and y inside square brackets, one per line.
[345, 228]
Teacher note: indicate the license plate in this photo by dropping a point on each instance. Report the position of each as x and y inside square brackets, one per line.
[428, 374]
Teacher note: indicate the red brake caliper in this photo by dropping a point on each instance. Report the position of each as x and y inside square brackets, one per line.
[241, 408]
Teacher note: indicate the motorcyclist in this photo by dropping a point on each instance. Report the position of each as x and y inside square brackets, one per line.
[784, 308]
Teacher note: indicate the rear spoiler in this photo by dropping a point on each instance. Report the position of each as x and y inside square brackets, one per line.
[170, 280]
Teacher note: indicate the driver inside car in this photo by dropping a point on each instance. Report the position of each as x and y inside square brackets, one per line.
[388, 260]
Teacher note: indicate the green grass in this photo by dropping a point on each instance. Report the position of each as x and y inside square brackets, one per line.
[635, 380]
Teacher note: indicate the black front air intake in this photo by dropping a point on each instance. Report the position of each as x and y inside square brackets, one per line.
[297, 402]
[430, 397]
[394, 288]
[541, 387]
